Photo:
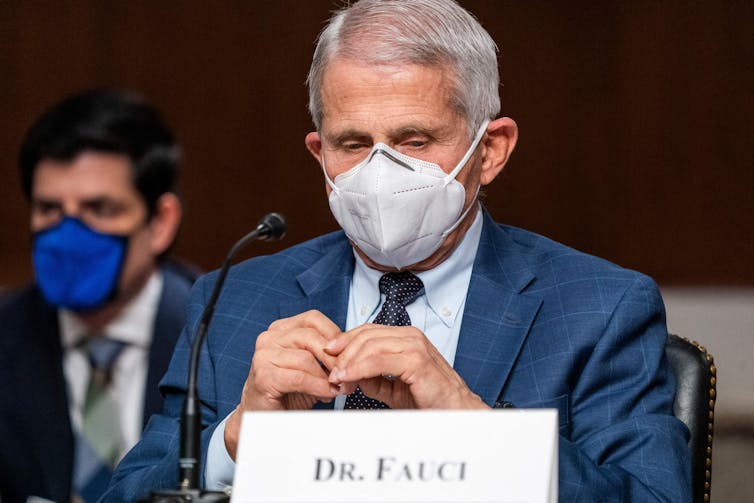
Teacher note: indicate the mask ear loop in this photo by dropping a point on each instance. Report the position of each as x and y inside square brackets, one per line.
[327, 178]
[463, 215]
[479, 134]
[331, 183]
[452, 175]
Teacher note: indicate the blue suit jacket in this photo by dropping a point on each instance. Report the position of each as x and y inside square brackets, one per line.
[543, 326]
[36, 437]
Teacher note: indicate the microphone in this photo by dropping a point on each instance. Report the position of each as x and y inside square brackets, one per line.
[270, 228]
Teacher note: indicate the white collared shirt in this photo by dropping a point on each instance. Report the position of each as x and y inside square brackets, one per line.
[438, 312]
[134, 326]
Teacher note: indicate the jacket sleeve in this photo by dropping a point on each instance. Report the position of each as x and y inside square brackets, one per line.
[625, 444]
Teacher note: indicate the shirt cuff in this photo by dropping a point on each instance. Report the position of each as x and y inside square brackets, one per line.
[220, 467]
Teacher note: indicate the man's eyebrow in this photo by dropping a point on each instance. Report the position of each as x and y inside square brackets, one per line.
[93, 201]
[406, 131]
[340, 137]
[103, 201]
[44, 199]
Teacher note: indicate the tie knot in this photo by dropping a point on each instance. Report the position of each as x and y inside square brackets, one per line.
[103, 352]
[402, 287]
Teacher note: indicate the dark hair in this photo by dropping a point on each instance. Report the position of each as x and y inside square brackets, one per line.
[110, 121]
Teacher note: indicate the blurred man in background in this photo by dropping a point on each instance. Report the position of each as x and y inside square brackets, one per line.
[82, 349]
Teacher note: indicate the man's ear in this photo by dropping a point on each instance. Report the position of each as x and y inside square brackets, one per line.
[499, 142]
[314, 145]
[165, 222]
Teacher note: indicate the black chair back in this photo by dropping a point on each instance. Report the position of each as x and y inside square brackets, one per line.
[694, 404]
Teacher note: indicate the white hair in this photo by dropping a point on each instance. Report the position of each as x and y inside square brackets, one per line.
[434, 33]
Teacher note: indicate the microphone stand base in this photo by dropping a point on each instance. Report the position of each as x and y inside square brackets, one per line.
[187, 496]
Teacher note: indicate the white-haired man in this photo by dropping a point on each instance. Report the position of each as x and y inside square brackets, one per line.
[421, 284]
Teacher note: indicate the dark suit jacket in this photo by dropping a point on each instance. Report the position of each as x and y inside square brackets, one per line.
[36, 438]
[543, 326]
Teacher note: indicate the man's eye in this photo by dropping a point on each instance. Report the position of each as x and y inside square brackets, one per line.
[352, 147]
[103, 209]
[46, 208]
[413, 141]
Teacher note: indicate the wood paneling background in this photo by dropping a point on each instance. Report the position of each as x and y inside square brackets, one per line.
[635, 117]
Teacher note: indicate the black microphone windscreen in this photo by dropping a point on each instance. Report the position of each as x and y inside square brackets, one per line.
[274, 226]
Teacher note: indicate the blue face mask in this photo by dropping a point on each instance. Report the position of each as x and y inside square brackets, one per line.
[77, 267]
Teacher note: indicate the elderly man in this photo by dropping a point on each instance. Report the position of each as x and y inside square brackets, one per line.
[423, 287]
[83, 348]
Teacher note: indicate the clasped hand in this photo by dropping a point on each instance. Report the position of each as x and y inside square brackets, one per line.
[306, 358]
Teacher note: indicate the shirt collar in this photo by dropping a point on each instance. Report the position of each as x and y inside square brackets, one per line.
[133, 325]
[445, 285]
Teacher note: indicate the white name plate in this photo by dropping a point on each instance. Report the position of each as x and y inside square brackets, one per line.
[500, 456]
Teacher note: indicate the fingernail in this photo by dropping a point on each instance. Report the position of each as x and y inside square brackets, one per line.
[335, 390]
[334, 373]
[331, 344]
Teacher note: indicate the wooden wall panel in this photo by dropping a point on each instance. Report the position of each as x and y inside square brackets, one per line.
[635, 119]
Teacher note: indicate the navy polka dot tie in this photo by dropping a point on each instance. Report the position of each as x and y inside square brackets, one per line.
[400, 289]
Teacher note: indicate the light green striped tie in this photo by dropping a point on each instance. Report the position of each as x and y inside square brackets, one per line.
[99, 442]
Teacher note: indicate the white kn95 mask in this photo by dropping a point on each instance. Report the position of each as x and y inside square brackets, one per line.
[398, 209]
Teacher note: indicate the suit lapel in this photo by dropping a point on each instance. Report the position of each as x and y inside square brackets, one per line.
[167, 328]
[325, 286]
[48, 426]
[497, 316]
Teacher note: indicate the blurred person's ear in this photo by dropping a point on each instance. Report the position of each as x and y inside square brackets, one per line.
[165, 222]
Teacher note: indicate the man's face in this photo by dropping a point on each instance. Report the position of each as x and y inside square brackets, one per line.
[97, 189]
[407, 108]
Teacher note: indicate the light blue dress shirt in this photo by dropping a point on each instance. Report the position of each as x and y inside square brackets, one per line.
[437, 312]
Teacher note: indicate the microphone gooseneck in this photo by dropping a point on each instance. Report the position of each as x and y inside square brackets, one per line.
[271, 227]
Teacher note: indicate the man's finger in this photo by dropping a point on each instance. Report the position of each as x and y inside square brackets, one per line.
[299, 338]
[310, 319]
